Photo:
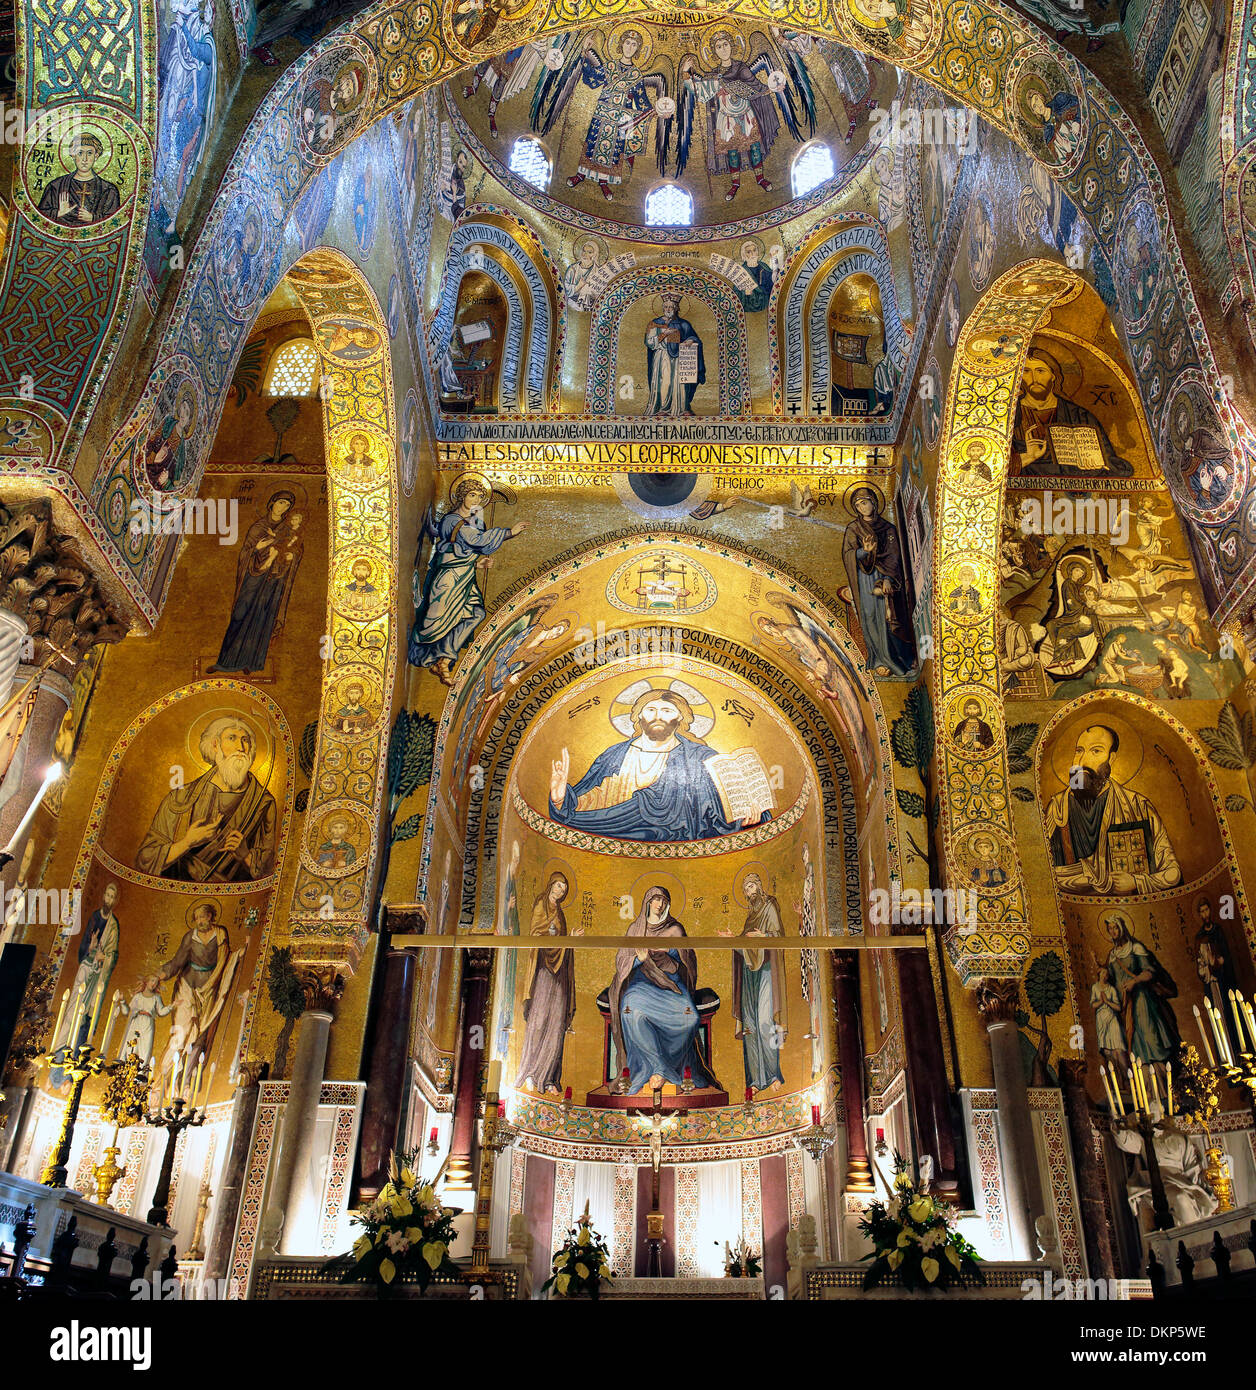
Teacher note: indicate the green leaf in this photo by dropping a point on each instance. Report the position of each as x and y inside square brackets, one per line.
[1045, 985]
[305, 749]
[302, 799]
[1020, 740]
[1232, 744]
[1234, 802]
[911, 803]
[1023, 793]
[408, 828]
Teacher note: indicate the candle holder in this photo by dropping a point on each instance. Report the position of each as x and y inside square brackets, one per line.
[816, 1140]
[78, 1063]
[174, 1118]
[499, 1133]
[107, 1175]
[122, 1104]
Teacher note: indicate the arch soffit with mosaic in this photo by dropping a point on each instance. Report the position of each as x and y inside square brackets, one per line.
[330, 903]
[975, 786]
[498, 235]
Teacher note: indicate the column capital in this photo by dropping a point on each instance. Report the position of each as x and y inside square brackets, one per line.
[322, 986]
[52, 587]
[998, 1000]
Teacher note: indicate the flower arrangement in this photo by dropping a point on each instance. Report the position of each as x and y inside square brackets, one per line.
[741, 1262]
[582, 1263]
[912, 1237]
[405, 1230]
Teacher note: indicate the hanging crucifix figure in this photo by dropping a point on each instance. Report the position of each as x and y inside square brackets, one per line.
[659, 1120]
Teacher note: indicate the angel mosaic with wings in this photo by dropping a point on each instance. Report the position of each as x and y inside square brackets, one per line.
[743, 105]
[627, 99]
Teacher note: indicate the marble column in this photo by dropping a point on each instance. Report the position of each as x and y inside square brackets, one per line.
[850, 1058]
[386, 1072]
[323, 987]
[231, 1179]
[1092, 1182]
[926, 1070]
[460, 1174]
[1022, 1185]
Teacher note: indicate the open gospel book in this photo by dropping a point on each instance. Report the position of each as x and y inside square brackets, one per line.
[742, 782]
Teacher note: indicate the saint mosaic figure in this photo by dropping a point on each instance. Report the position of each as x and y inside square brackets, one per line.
[759, 990]
[266, 570]
[1045, 440]
[203, 969]
[549, 1003]
[654, 1012]
[83, 197]
[451, 606]
[673, 372]
[1104, 836]
[873, 558]
[221, 827]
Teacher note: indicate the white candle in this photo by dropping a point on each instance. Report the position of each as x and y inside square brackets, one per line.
[1203, 1037]
[196, 1085]
[109, 1022]
[65, 999]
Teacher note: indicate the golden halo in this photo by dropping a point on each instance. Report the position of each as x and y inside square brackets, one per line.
[647, 43]
[735, 36]
[848, 501]
[553, 865]
[1126, 762]
[701, 707]
[203, 902]
[102, 161]
[263, 744]
[470, 476]
[657, 878]
[760, 871]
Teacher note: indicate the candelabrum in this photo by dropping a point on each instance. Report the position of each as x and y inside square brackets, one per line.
[123, 1103]
[77, 1063]
[174, 1118]
[1144, 1111]
[817, 1138]
[1235, 1056]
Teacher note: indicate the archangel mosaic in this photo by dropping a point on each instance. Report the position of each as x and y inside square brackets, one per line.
[489, 483]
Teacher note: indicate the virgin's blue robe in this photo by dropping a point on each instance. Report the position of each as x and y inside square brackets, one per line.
[660, 1030]
[682, 805]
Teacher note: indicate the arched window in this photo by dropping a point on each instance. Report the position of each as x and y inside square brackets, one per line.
[293, 369]
[529, 160]
[811, 167]
[668, 205]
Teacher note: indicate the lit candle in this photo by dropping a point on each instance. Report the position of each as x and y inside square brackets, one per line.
[688, 1073]
[432, 1136]
[501, 1109]
[196, 1084]
[567, 1094]
[1203, 1037]
[815, 1114]
[1116, 1091]
[1155, 1087]
[1219, 1033]
[1133, 1086]
[880, 1135]
[749, 1094]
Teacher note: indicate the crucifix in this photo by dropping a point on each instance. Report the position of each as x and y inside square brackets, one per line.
[655, 1120]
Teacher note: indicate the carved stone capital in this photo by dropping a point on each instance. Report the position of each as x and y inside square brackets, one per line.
[249, 1072]
[322, 986]
[479, 961]
[47, 583]
[998, 1000]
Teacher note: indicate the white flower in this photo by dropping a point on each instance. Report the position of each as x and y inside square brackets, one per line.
[397, 1243]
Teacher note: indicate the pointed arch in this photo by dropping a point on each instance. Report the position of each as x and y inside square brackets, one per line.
[975, 786]
[330, 899]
